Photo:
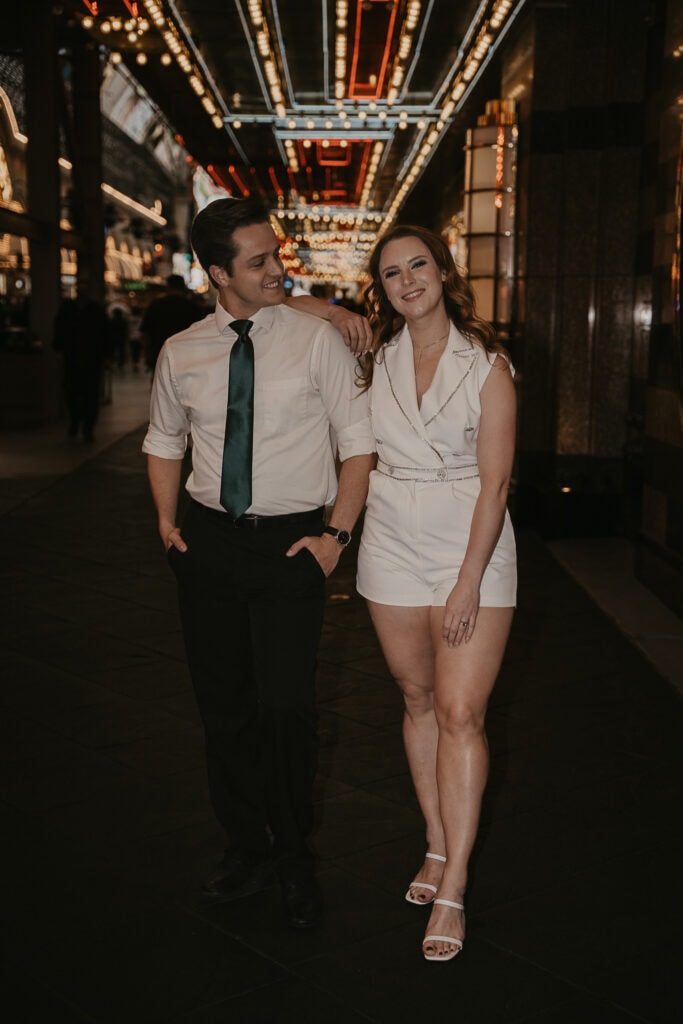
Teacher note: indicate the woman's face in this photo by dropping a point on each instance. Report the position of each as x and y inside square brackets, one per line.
[411, 278]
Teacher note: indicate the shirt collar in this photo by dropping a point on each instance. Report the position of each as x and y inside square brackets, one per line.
[263, 318]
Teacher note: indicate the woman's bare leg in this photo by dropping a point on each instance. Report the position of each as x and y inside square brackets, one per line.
[464, 678]
[406, 640]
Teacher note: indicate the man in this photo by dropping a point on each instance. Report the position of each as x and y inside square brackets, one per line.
[251, 570]
[168, 315]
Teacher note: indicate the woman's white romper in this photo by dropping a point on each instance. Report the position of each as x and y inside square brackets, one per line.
[423, 492]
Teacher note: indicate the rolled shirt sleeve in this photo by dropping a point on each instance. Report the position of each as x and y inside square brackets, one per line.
[169, 424]
[334, 375]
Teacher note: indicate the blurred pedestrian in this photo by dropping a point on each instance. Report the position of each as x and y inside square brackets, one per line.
[81, 334]
[168, 315]
[118, 336]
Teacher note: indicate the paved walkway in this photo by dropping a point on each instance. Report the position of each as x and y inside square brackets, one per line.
[574, 906]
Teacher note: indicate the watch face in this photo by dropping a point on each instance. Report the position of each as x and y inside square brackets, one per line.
[342, 537]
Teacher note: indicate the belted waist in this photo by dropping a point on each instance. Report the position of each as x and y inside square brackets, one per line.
[248, 521]
[438, 474]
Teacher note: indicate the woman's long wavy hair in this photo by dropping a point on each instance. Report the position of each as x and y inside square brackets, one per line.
[458, 298]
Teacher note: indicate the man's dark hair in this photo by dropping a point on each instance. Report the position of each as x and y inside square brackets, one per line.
[214, 226]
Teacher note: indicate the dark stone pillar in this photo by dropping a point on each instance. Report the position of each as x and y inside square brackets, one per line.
[581, 128]
[87, 163]
[659, 553]
[42, 175]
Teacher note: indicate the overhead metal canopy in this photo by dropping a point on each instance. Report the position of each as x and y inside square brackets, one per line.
[330, 109]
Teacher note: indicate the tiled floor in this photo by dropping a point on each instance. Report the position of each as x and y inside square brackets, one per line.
[575, 898]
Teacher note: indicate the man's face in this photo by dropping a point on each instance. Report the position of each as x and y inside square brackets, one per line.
[257, 277]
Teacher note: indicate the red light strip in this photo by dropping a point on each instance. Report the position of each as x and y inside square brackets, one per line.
[292, 181]
[130, 5]
[302, 153]
[327, 159]
[217, 177]
[257, 184]
[363, 170]
[276, 184]
[358, 91]
[238, 181]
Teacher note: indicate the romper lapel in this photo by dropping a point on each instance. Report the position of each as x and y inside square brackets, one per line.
[455, 366]
[398, 362]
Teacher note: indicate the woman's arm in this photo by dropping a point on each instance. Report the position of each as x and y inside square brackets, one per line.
[495, 456]
[354, 328]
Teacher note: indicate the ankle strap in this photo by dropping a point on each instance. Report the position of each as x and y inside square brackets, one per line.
[449, 903]
[436, 856]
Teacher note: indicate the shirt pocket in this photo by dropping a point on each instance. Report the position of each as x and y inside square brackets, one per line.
[281, 405]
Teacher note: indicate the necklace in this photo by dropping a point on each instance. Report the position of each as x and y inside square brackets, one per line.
[423, 348]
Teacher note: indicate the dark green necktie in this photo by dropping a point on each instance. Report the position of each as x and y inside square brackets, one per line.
[239, 424]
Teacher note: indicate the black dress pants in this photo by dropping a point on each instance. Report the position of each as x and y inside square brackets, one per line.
[251, 621]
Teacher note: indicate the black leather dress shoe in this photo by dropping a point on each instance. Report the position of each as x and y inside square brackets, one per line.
[236, 877]
[302, 901]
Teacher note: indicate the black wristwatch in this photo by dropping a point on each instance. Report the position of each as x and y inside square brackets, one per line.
[342, 537]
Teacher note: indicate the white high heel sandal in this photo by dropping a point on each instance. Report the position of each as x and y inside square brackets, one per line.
[443, 957]
[424, 885]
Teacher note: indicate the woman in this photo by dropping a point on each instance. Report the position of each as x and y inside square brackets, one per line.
[437, 560]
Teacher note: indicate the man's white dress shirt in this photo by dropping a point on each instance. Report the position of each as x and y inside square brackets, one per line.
[307, 408]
